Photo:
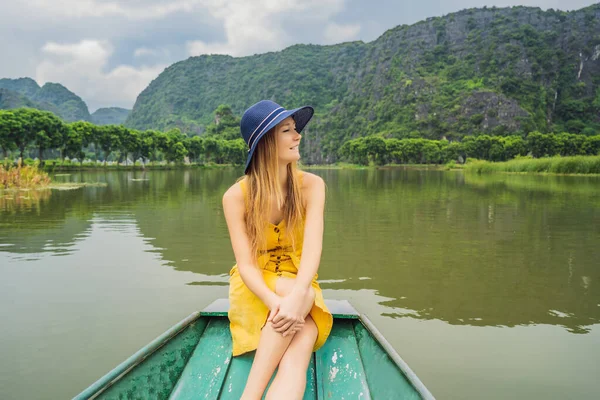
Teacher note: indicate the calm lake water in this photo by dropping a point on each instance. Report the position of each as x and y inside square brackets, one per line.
[488, 287]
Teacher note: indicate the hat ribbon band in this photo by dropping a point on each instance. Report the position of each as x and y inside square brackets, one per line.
[265, 127]
[262, 122]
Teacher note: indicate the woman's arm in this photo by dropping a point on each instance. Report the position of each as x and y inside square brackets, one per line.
[293, 306]
[313, 232]
[233, 208]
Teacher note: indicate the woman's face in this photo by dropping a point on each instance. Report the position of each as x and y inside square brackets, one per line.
[288, 140]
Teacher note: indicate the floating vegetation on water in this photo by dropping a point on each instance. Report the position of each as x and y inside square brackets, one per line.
[62, 174]
[53, 186]
[139, 179]
[75, 186]
[17, 177]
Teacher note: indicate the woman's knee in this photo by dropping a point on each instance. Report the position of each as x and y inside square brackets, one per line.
[301, 346]
[283, 286]
[312, 294]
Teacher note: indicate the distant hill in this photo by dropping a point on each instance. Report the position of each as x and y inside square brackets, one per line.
[25, 86]
[487, 70]
[110, 115]
[70, 106]
[10, 99]
[54, 97]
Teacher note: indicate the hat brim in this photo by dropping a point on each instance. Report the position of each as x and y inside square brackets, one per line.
[301, 116]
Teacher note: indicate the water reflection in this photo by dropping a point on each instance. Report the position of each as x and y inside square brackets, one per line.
[39, 221]
[499, 250]
[446, 248]
[13, 201]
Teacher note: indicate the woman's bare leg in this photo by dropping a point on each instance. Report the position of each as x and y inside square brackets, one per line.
[271, 347]
[290, 381]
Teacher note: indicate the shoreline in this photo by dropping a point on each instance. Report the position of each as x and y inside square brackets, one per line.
[560, 166]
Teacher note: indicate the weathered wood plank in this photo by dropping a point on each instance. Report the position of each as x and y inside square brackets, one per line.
[235, 381]
[207, 368]
[311, 380]
[340, 373]
[385, 379]
[156, 375]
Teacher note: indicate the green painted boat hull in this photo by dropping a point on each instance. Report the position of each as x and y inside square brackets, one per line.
[192, 360]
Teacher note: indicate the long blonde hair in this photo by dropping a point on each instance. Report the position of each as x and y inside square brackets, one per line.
[262, 180]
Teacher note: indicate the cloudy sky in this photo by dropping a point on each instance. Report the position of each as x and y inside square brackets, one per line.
[107, 51]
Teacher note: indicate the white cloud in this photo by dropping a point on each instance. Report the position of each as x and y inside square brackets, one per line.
[337, 33]
[81, 68]
[95, 8]
[255, 27]
[144, 51]
[148, 52]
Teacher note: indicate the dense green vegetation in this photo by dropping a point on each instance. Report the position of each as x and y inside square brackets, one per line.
[494, 71]
[380, 151]
[554, 165]
[30, 132]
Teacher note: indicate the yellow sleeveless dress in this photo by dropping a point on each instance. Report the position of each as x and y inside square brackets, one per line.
[247, 313]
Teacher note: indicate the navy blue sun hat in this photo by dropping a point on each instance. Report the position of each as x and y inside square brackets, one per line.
[263, 116]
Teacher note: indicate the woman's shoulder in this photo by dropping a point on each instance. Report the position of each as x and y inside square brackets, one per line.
[311, 182]
[235, 193]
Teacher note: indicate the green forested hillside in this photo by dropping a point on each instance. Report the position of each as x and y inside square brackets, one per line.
[495, 71]
[10, 99]
[70, 106]
[54, 97]
[25, 86]
[110, 116]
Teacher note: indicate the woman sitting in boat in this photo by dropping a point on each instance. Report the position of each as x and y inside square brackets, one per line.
[274, 214]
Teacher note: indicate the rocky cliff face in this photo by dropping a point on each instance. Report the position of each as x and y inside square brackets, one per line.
[476, 71]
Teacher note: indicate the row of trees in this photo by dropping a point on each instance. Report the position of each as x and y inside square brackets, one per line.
[493, 148]
[28, 131]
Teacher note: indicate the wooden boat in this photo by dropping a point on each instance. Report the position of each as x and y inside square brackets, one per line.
[192, 360]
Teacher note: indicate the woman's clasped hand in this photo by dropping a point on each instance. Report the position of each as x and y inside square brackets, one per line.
[288, 312]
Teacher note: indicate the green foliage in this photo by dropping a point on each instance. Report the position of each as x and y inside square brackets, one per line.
[555, 165]
[27, 129]
[364, 151]
[225, 126]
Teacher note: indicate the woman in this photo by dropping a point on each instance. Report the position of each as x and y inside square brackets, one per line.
[275, 219]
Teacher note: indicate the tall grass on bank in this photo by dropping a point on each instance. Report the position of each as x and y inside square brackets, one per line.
[22, 177]
[553, 165]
